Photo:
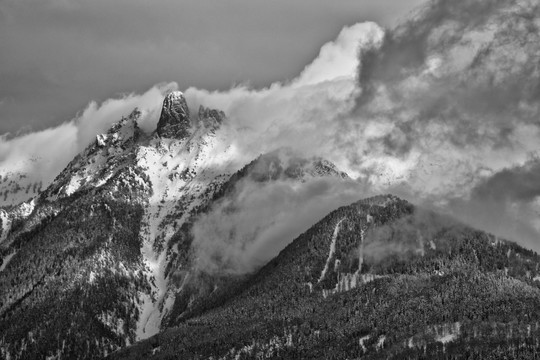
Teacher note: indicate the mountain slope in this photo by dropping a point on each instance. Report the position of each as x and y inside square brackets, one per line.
[376, 279]
[84, 260]
[89, 265]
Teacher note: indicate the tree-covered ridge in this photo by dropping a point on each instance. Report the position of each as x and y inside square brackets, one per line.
[71, 289]
[428, 288]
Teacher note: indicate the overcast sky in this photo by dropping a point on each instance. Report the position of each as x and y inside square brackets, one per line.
[58, 55]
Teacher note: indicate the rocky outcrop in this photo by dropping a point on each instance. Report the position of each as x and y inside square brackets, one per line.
[174, 120]
[211, 117]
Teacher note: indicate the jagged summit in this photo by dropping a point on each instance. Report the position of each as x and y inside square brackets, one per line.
[174, 120]
[121, 131]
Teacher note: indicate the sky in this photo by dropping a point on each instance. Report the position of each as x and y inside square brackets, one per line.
[56, 56]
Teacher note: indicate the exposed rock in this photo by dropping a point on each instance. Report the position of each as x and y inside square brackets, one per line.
[211, 117]
[174, 120]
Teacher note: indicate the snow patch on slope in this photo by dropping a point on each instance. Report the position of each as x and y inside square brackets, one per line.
[448, 332]
[25, 209]
[6, 225]
[331, 252]
[6, 260]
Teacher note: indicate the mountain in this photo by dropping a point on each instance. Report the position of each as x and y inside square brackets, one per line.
[106, 262]
[91, 263]
[379, 278]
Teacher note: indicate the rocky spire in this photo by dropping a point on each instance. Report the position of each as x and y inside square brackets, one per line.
[174, 120]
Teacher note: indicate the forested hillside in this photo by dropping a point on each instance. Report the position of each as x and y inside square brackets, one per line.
[376, 279]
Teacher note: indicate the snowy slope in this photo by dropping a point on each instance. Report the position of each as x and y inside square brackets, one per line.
[107, 156]
[184, 174]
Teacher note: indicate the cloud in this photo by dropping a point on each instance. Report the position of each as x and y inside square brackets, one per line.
[462, 75]
[251, 226]
[404, 238]
[259, 219]
[441, 106]
[448, 114]
[304, 113]
[57, 54]
[520, 183]
[277, 116]
[97, 118]
[507, 203]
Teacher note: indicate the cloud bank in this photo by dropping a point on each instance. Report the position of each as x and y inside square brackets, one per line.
[305, 113]
[444, 112]
[452, 97]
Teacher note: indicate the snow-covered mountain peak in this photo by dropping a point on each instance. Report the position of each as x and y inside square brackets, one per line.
[101, 160]
[174, 121]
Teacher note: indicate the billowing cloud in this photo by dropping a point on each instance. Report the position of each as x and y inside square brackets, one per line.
[304, 114]
[441, 106]
[447, 89]
[449, 113]
[277, 116]
[57, 55]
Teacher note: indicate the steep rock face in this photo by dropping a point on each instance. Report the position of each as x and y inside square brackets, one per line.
[174, 121]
